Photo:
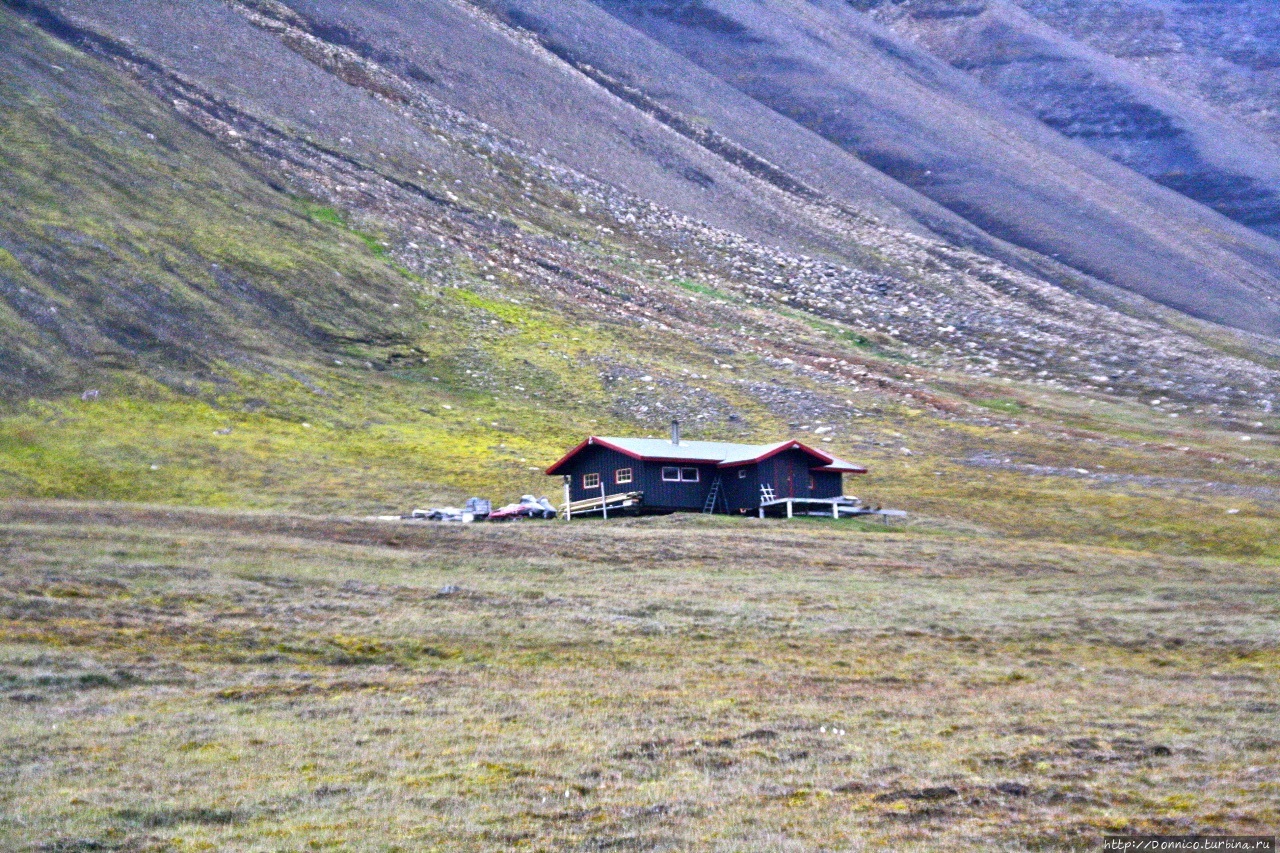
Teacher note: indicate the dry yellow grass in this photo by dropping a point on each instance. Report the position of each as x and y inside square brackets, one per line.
[179, 680]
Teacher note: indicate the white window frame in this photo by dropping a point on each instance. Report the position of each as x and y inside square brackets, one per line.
[674, 479]
[586, 481]
[742, 473]
[618, 477]
[697, 475]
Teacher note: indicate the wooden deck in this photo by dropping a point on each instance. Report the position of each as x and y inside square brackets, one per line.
[840, 507]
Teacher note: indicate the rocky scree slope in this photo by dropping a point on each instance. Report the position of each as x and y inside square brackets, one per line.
[279, 120]
[1224, 52]
[1116, 105]
[832, 69]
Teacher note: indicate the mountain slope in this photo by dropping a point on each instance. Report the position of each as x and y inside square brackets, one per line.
[490, 81]
[511, 87]
[924, 124]
[485, 191]
[1113, 106]
[275, 314]
[831, 69]
[266, 276]
[1224, 52]
[128, 237]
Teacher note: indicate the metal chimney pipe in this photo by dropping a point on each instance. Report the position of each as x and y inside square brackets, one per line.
[675, 431]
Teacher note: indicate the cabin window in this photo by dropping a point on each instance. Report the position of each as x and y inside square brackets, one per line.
[689, 475]
[622, 475]
[670, 475]
[742, 473]
[590, 481]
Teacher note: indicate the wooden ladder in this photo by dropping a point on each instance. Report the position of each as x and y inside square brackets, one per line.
[713, 497]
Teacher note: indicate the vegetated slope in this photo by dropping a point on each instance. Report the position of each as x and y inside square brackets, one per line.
[466, 306]
[914, 118]
[830, 68]
[487, 203]
[255, 56]
[130, 239]
[1115, 107]
[293, 274]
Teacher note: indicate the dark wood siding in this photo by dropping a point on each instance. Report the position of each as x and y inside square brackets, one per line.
[829, 484]
[791, 476]
[646, 477]
[659, 494]
[605, 462]
[742, 493]
[788, 473]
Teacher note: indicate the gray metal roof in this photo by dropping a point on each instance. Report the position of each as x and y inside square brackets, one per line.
[701, 451]
[722, 452]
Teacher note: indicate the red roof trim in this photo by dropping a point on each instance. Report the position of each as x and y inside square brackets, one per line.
[827, 458]
[628, 453]
[841, 469]
[555, 469]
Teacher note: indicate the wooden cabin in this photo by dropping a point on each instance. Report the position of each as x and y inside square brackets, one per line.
[671, 475]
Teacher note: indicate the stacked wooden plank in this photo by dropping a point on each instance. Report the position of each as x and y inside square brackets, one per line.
[622, 500]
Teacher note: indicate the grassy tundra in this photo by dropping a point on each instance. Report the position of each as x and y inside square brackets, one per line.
[201, 306]
[198, 680]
